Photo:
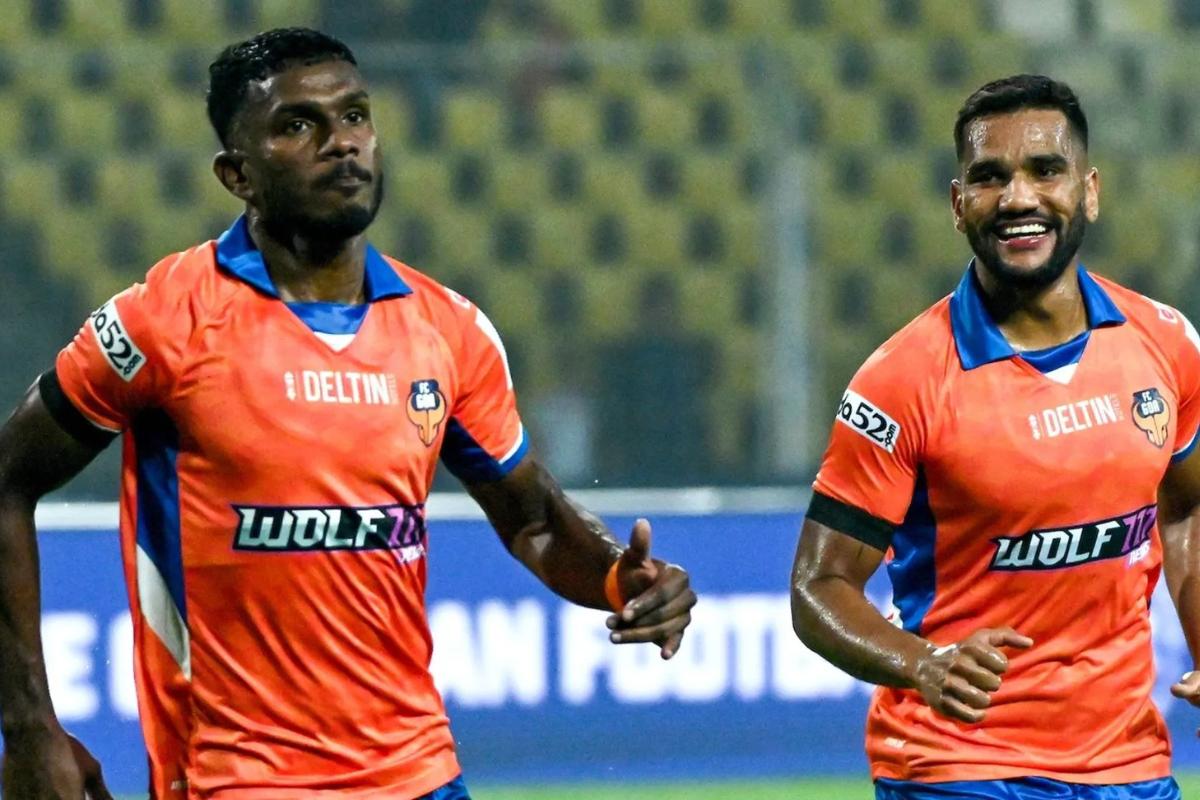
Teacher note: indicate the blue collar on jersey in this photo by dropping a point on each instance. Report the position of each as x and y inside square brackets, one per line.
[237, 255]
[978, 338]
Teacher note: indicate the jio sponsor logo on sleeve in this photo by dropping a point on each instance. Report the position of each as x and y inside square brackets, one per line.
[865, 419]
[120, 352]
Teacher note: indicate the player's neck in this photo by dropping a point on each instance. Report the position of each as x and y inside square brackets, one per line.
[309, 271]
[1034, 319]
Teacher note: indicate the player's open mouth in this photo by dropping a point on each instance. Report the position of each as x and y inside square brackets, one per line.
[1024, 235]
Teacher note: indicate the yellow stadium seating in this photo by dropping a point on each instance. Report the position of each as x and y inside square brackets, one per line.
[41, 71]
[657, 236]
[568, 118]
[468, 241]
[711, 182]
[474, 120]
[419, 182]
[128, 186]
[854, 118]
[667, 19]
[390, 115]
[15, 25]
[94, 23]
[861, 19]
[813, 61]
[183, 124]
[665, 119]
[32, 187]
[746, 231]
[288, 13]
[846, 234]
[1138, 233]
[12, 112]
[87, 123]
[74, 244]
[516, 314]
[953, 17]
[614, 179]
[561, 238]
[901, 178]
[518, 181]
[707, 301]
[170, 231]
[759, 18]
[581, 19]
[190, 22]
[610, 302]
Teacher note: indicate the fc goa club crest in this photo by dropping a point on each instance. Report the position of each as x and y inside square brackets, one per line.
[1151, 415]
[426, 409]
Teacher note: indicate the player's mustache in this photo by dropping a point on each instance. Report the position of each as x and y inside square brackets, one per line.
[347, 169]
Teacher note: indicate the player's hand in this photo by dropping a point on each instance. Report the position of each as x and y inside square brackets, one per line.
[957, 681]
[660, 598]
[1188, 688]
[50, 766]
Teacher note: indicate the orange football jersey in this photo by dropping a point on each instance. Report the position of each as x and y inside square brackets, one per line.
[277, 458]
[1013, 495]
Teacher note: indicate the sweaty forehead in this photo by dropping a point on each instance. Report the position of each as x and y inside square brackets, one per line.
[322, 82]
[1015, 135]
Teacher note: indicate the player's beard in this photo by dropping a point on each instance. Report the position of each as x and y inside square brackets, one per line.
[285, 221]
[1066, 245]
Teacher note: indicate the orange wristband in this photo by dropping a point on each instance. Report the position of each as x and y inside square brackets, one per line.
[612, 589]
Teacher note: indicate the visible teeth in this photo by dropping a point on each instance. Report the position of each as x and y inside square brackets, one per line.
[1025, 230]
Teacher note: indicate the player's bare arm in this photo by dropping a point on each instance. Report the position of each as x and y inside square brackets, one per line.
[572, 552]
[41, 759]
[1179, 526]
[832, 616]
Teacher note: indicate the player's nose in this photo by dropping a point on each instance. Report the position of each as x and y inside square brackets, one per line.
[1019, 195]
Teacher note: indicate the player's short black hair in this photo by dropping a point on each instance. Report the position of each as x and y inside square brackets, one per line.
[1018, 92]
[260, 57]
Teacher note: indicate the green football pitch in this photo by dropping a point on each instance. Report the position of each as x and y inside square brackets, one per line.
[763, 790]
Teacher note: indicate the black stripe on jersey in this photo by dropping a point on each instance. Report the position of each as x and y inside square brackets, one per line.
[70, 418]
[850, 520]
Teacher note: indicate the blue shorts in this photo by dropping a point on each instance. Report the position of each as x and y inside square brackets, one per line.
[454, 790]
[1026, 789]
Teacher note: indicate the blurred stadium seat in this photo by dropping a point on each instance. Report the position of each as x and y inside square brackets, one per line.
[583, 146]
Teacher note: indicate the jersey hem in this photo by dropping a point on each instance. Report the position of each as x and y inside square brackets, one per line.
[445, 769]
[1149, 769]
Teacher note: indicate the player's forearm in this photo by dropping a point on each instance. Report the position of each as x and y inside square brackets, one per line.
[835, 621]
[1181, 562]
[24, 692]
[570, 550]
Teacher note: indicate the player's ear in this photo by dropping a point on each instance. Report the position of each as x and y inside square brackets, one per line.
[956, 204]
[229, 167]
[1091, 194]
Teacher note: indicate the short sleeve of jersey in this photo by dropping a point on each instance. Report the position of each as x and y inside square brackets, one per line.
[125, 356]
[1187, 375]
[484, 438]
[869, 471]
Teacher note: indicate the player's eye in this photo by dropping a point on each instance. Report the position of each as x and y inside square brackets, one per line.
[357, 116]
[985, 177]
[296, 125]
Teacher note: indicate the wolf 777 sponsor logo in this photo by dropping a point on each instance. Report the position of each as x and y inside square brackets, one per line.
[1055, 548]
[400, 528]
[862, 417]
